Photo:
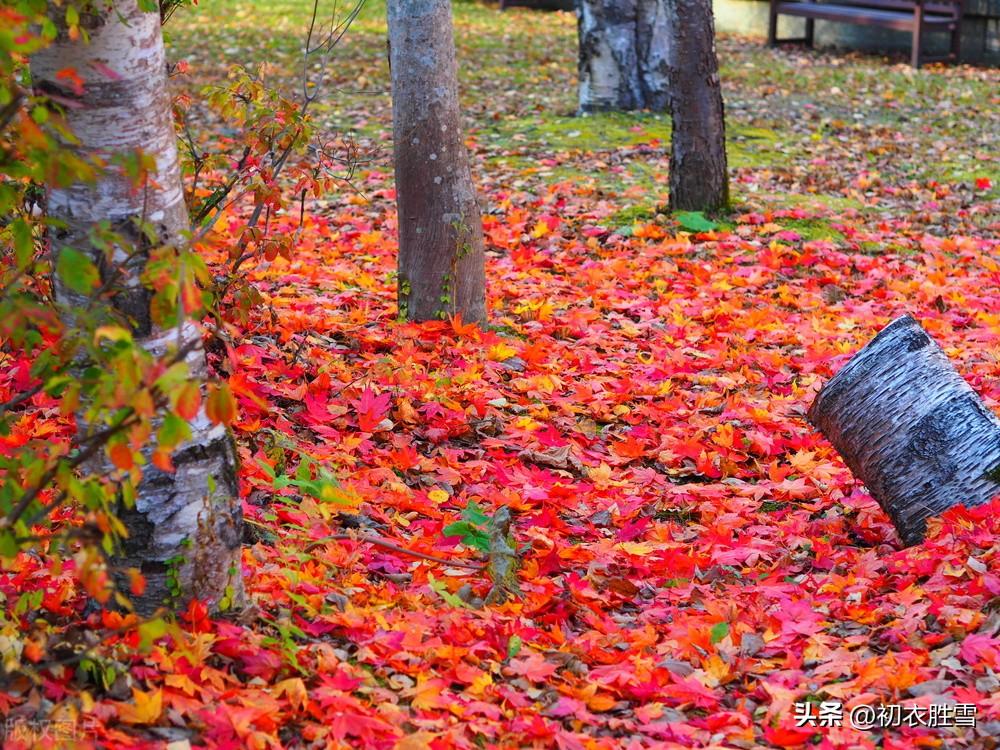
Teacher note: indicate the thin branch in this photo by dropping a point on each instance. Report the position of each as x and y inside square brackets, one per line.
[11, 108]
[385, 544]
[46, 478]
[20, 398]
[88, 447]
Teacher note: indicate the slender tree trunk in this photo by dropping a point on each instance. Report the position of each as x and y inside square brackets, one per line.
[441, 254]
[179, 526]
[623, 55]
[910, 428]
[699, 179]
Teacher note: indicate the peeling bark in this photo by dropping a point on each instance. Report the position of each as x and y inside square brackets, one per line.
[911, 428]
[441, 248]
[699, 178]
[178, 524]
[623, 55]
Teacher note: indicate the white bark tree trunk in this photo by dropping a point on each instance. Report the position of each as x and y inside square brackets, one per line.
[911, 428]
[441, 248]
[125, 108]
[623, 55]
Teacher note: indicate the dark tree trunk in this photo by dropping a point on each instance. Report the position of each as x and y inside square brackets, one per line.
[623, 55]
[441, 255]
[911, 428]
[699, 179]
[178, 527]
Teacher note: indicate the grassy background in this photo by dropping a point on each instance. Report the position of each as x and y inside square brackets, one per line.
[806, 119]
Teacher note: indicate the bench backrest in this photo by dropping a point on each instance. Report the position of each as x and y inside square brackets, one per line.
[938, 6]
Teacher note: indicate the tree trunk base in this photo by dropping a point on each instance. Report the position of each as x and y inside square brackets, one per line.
[202, 496]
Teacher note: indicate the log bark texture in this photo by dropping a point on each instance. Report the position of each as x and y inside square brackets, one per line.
[441, 247]
[178, 527]
[910, 428]
[699, 176]
[623, 47]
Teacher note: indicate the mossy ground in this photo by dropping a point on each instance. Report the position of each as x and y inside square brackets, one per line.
[797, 121]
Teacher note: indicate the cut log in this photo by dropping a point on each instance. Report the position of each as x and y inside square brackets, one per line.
[910, 428]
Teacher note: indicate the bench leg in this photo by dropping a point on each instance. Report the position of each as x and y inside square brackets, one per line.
[956, 42]
[772, 27]
[810, 29]
[916, 55]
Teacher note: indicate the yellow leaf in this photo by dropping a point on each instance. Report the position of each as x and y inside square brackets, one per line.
[146, 709]
[415, 741]
[500, 352]
[427, 693]
[111, 333]
[11, 647]
[636, 548]
[438, 496]
[480, 683]
[182, 682]
[717, 669]
[600, 475]
[331, 493]
[295, 690]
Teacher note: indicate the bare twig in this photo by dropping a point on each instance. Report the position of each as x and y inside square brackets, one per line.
[386, 544]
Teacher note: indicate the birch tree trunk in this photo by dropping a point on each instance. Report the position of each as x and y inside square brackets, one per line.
[699, 179]
[441, 253]
[179, 526]
[911, 428]
[623, 55]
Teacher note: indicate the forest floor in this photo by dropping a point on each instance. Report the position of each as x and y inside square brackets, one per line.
[694, 558]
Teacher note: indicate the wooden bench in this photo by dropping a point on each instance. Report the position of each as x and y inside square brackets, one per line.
[915, 16]
[538, 4]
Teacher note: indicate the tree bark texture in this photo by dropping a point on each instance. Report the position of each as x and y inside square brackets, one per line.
[699, 179]
[911, 428]
[178, 528]
[623, 46]
[441, 252]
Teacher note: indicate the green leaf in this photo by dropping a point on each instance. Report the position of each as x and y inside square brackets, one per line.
[266, 468]
[472, 535]
[175, 375]
[8, 196]
[473, 513]
[8, 544]
[695, 221]
[77, 271]
[173, 431]
[441, 590]
[719, 631]
[149, 632]
[514, 646]
[24, 246]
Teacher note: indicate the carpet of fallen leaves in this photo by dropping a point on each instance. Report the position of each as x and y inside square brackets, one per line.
[694, 558]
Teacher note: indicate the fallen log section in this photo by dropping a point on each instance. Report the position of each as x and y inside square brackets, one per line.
[910, 428]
